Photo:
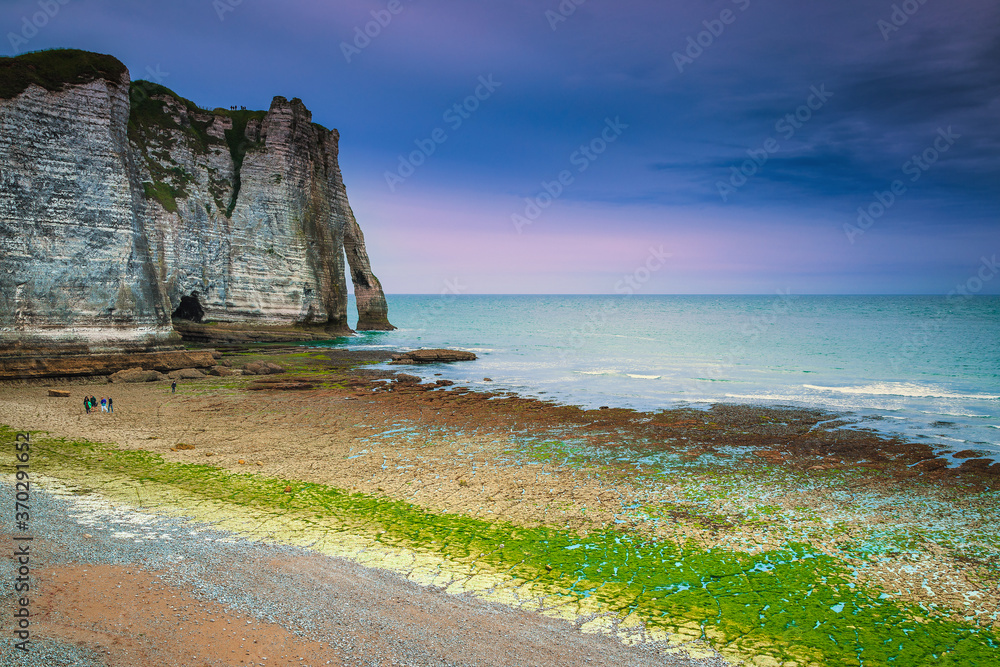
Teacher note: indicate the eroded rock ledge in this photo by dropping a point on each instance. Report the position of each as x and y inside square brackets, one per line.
[78, 365]
[432, 356]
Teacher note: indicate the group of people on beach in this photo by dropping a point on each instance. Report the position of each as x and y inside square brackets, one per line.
[91, 403]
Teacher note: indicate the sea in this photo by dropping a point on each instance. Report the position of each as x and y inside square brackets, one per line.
[923, 367]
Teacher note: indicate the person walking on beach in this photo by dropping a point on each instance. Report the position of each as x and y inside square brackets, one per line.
[93, 402]
[173, 387]
[86, 404]
[111, 406]
[104, 404]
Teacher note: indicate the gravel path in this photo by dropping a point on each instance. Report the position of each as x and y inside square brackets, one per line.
[120, 587]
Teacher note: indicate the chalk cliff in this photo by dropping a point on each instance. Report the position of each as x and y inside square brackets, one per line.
[126, 210]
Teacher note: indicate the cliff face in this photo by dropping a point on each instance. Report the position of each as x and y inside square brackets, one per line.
[115, 217]
[249, 215]
[75, 272]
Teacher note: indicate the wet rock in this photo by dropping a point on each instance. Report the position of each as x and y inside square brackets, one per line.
[432, 356]
[262, 368]
[976, 465]
[930, 465]
[281, 386]
[968, 454]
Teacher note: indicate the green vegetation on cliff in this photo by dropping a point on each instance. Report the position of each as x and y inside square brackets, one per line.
[149, 119]
[55, 69]
[150, 122]
[238, 145]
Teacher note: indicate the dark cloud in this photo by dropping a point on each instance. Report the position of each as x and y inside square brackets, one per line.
[687, 129]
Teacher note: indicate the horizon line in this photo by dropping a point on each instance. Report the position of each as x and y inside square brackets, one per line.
[775, 293]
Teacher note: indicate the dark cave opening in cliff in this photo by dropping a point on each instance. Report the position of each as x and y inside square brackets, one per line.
[190, 309]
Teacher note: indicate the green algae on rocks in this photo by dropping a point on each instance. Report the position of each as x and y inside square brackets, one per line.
[792, 604]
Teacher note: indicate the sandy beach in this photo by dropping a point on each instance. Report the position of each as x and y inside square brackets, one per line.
[895, 523]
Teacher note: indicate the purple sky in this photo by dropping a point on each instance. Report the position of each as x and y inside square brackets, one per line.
[664, 125]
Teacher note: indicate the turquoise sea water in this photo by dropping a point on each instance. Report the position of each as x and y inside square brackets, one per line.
[925, 367]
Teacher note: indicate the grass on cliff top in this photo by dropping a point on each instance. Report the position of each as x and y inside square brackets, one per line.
[55, 69]
[791, 603]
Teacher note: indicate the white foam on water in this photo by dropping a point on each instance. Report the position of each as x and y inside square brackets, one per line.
[644, 377]
[357, 347]
[908, 389]
[765, 397]
[953, 414]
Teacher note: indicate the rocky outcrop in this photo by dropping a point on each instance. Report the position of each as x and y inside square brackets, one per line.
[249, 216]
[79, 365]
[136, 375]
[262, 368]
[125, 208]
[432, 357]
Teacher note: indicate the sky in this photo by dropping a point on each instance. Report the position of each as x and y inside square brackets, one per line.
[598, 147]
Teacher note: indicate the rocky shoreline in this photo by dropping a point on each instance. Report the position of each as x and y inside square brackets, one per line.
[769, 509]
